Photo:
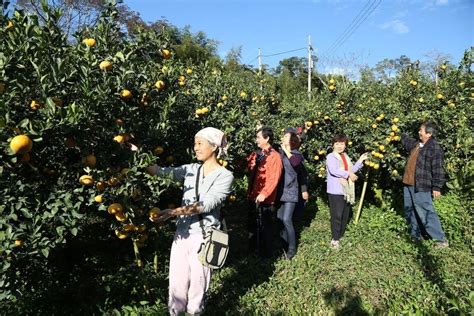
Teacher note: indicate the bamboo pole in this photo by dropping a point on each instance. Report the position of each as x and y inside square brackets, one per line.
[364, 188]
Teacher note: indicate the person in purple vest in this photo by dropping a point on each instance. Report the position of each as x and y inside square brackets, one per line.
[289, 188]
[340, 186]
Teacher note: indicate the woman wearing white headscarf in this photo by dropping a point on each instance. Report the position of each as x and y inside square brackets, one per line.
[188, 278]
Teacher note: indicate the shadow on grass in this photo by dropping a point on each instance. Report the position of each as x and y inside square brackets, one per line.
[430, 266]
[344, 301]
[244, 271]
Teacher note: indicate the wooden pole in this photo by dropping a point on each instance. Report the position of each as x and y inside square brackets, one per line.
[364, 188]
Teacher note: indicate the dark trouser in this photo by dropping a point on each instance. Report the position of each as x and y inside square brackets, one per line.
[340, 210]
[419, 208]
[285, 214]
[299, 209]
[260, 226]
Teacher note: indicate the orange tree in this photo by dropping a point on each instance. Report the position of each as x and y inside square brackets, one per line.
[81, 121]
[374, 114]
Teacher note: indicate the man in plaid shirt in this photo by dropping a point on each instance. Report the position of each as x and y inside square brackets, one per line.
[423, 179]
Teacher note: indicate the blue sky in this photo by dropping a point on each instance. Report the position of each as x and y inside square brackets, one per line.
[396, 27]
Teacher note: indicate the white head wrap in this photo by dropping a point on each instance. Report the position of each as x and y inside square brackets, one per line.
[215, 137]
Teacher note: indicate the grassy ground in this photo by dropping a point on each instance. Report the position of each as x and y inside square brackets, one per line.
[376, 271]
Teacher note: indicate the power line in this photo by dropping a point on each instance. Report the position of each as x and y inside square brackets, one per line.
[360, 18]
[289, 51]
[356, 27]
[353, 22]
[247, 63]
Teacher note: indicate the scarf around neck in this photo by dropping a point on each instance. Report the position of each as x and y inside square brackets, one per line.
[348, 187]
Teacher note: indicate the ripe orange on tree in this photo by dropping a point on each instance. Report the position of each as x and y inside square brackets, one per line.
[21, 144]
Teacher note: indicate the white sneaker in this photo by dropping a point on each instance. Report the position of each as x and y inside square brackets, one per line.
[335, 244]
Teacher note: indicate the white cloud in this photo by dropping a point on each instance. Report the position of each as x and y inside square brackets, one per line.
[336, 71]
[396, 26]
[432, 4]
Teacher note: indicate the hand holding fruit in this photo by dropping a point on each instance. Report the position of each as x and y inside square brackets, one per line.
[363, 157]
[159, 216]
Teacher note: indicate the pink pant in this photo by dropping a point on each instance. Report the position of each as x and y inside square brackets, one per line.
[189, 279]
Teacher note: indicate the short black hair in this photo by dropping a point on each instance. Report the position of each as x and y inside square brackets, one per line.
[339, 138]
[267, 132]
[430, 128]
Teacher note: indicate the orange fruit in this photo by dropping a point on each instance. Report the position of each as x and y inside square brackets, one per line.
[154, 212]
[35, 105]
[115, 208]
[119, 139]
[19, 243]
[70, 142]
[120, 217]
[160, 85]
[105, 65]
[100, 186]
[121, 234]
[113, 181]
[90, 161]
[99, 199]
[189, 71]
[90, 42]
[21, 144]
[129, 228]
[141, 228]
[165, 53]
[158, 150]
[126, 94]
[86, 180]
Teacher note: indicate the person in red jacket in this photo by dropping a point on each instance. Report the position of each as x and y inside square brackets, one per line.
[265, 168]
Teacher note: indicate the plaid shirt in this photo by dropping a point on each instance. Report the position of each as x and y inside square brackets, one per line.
[429, 172]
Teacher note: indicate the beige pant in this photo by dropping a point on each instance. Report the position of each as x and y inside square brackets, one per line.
[189, 279]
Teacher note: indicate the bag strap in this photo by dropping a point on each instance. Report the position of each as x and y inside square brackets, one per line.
[196, 187]
[201, 218]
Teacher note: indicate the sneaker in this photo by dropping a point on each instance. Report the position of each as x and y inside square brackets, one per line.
[335, 244]
[290, 254]
[442, 244]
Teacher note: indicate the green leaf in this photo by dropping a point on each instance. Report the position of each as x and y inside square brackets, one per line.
[45, 252]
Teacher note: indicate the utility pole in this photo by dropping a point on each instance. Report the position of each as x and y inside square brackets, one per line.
[260, 66]
[310, 65]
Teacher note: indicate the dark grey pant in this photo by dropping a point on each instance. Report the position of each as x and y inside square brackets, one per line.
[340, 211]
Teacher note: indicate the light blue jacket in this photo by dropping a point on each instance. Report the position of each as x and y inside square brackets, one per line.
[213, 190]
